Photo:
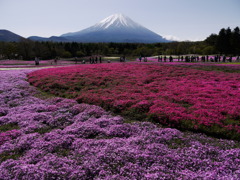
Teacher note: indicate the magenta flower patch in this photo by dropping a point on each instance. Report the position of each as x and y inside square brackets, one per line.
[186, 98]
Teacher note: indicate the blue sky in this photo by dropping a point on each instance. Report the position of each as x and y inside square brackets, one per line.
[179, 19]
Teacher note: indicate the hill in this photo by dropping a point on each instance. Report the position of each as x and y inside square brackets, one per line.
[8, 36]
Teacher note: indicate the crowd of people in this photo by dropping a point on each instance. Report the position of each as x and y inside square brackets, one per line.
[94, 60]
[98, 59]
[194, 58]
[143, 58]
[183, 58]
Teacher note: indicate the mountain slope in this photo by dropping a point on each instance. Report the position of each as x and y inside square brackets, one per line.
[52, 38]
[115, 28]
[8, 36]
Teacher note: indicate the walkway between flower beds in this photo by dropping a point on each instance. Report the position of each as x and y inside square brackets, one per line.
[60, 139]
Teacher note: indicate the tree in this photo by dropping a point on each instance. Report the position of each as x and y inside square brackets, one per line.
[66, 54]
[208, 50]
[212, 39]
[221, 40]
[10, 49]
[235, 41]
[80, 53]
[228, 46]
[25, 48]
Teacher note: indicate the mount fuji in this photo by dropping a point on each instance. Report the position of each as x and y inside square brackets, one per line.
[115, 28]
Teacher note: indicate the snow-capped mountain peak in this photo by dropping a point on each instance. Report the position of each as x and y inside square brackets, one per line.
[115, 28]
[116, 20]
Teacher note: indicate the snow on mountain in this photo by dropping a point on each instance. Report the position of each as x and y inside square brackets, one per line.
[117, 20]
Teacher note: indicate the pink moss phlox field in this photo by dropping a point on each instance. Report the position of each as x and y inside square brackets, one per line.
[60, 139]
[180, 97]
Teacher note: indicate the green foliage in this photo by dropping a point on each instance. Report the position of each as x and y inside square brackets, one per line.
[214, 130]
[43, 95]
[209, 50]
[8, 127]
[10, 155]
[177, 143]
[66, 54]
[218, 68]
[80, 53]
[43, 130]
[226, 42]
[62, 152]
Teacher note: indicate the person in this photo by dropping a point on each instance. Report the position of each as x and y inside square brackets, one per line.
[192, 58]
[36, 61]
[96, 60]
[197, 58]
[83, 62]
[55, 60]
[165, 58]
[170, 59]
[90, 60]
[76, 60]
[140, 58]
[158, 58]
[224, 58]
[100, 59]
[237, 58]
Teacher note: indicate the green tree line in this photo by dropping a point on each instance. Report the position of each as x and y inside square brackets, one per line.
[226, 42]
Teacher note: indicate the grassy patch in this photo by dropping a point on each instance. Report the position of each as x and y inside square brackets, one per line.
[43, 130]
[62, 152]
[214, 130]
[10, 155]
[205, 140]
[43, 94]
[8, 127]
[227, 69]
[176, 143]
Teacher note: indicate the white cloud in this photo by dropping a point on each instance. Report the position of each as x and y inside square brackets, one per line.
[171, 38]
[175, 38]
